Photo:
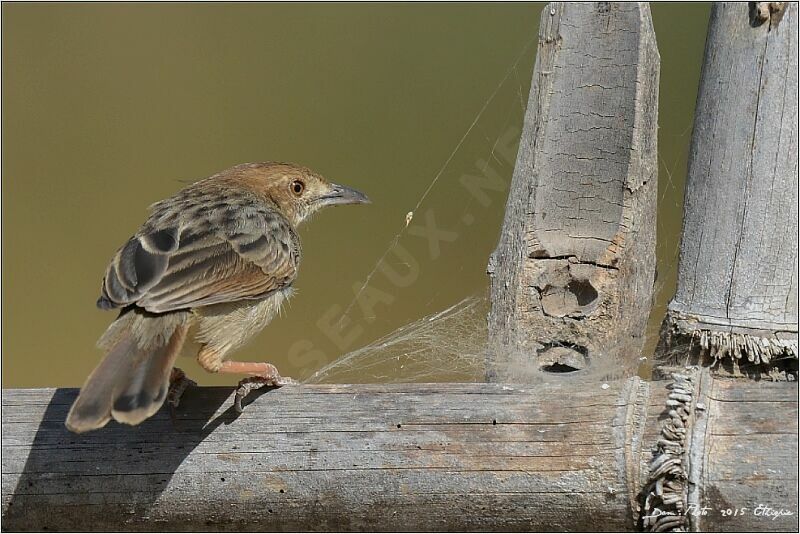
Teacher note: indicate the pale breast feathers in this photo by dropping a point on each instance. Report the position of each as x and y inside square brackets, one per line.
[198, 249]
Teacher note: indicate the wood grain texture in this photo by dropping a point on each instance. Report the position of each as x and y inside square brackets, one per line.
[473, 457]
[737, 456]
[572, 275]
[749, 457]
[426, 457]
[738, 264]
[735, 308]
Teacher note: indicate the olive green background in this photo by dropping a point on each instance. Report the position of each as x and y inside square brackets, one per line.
[108, 108]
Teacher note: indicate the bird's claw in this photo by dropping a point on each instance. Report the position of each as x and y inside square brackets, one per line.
[257, 382]
[178, 382]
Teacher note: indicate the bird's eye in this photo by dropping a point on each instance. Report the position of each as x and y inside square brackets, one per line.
[297, 187]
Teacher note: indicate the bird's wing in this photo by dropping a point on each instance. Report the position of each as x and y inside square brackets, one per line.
[185, 258]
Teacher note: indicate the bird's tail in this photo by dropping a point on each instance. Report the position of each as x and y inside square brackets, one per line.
[131, 382]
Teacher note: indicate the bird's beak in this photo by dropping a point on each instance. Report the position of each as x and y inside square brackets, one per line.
[340, 194]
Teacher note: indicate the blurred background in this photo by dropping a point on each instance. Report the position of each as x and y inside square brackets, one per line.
[108, 108]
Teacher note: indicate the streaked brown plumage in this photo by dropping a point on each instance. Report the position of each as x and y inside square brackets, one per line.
[209, 269]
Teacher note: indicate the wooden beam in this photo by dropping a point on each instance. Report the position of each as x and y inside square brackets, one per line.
[736, 301]
[407, 457]
[572, 276]
[559, 456]
[725, 457]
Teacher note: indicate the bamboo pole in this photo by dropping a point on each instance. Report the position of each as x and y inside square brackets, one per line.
[735, 310]
[415, 457]
[736, 302]
[572, 275]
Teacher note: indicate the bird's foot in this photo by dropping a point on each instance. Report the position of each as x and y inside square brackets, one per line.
[178, 382]
[270, 378]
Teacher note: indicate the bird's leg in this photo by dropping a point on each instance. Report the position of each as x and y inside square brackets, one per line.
[261, 374]
[178, 382]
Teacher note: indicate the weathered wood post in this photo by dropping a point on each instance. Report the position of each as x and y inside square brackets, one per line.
[558, 456]
[724, 458]
[735, 310]
[699, 451]
[736, 301]
[572, 275]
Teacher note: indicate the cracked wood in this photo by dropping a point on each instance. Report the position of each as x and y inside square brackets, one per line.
[443, 457]
[737, 277]
[558, 456]
[575, 264]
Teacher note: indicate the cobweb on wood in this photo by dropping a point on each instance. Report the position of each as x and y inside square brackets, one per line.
[448, 346]
[452, 345]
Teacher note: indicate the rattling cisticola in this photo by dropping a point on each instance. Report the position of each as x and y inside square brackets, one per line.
[209, 269]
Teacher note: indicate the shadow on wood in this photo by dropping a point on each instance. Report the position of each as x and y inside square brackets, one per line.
[118, 470]
[411, 457]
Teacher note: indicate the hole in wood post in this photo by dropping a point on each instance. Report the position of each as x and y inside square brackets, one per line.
[559, 368]
[584, 292]
[562, 358]
[578, 298]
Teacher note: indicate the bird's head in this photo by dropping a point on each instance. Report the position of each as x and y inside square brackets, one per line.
[298, 191]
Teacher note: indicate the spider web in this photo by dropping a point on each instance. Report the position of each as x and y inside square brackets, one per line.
[452, 345]
[448, 346]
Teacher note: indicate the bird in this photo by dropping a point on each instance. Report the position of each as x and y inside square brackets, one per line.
[209, 268]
